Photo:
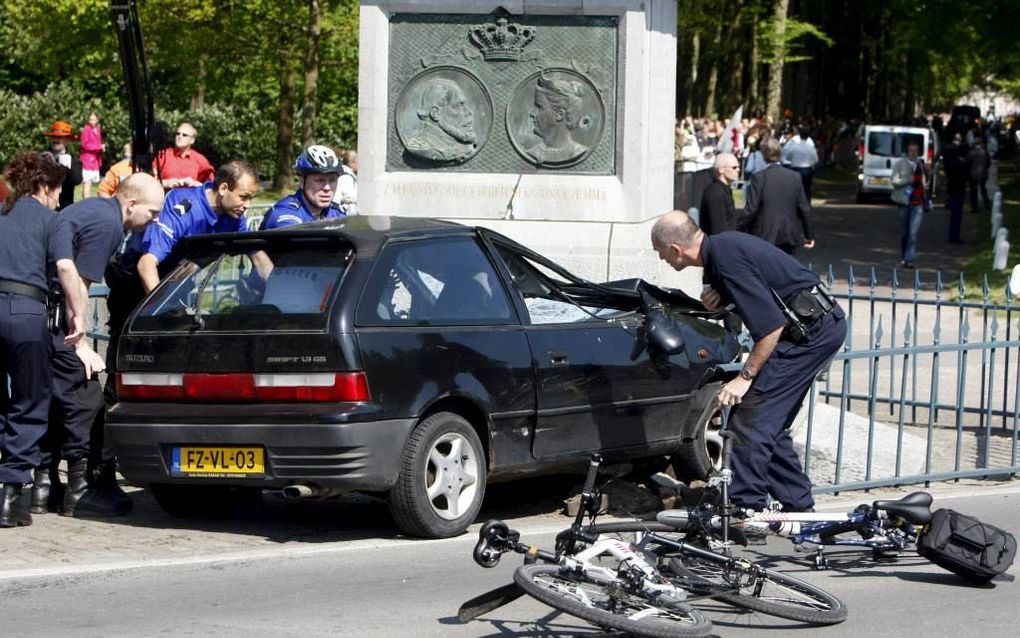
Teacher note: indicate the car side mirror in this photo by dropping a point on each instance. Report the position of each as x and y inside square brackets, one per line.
[661, 331]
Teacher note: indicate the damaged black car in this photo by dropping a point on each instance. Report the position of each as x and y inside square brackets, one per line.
[415, 358]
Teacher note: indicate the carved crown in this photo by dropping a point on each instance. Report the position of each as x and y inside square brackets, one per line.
[502, 40]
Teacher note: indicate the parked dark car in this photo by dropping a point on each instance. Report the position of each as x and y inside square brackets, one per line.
[415, 358]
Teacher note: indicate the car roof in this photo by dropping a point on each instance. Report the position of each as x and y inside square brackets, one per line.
[892, 128]
[367, 233]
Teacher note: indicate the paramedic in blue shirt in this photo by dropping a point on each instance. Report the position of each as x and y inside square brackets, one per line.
[319, 170]
[215, 207]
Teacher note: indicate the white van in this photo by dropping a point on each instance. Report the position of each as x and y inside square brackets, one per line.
[880, 146]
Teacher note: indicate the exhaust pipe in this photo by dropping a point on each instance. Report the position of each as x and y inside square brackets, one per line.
[300, 490]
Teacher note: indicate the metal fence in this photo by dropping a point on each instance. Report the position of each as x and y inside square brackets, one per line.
[930, 394]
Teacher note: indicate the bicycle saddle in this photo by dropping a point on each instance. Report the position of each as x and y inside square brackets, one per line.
[915, 507]
[677, 519]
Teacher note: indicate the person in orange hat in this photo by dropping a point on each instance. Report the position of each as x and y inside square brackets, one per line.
[60, 135]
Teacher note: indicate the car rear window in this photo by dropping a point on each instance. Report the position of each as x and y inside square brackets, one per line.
[283, 285]
[886, 144]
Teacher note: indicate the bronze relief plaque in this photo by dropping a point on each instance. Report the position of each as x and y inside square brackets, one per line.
[503, 93]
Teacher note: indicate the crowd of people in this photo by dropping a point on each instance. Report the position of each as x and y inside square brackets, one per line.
[130, 235]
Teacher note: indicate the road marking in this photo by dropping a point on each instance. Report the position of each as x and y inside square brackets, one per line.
[339, 547]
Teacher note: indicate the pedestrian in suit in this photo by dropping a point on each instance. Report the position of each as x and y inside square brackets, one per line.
[777, 208]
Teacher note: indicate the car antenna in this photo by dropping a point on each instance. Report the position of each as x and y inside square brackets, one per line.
[509, 213]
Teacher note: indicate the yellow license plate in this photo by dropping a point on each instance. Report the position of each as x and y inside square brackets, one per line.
[218, 461]
[879, 181]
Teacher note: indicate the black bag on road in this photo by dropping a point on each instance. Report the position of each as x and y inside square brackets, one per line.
[966, 546]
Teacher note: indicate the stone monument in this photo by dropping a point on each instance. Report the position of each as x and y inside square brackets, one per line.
[549, 121]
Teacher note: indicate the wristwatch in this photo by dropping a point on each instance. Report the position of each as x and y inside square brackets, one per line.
[746, 374]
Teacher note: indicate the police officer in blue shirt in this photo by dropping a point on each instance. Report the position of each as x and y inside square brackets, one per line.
[97, 229]
[32, 239]
[797, 327]
[216, 207]
[319, 170]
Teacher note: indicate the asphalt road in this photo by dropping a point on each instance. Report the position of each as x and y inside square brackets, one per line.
[392, 587]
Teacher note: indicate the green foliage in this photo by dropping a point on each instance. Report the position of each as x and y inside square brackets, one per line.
[794, 43]
[216, 64]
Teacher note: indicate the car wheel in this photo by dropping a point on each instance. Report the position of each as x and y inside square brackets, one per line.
[204, 501]
[442, 478]
[700, 450]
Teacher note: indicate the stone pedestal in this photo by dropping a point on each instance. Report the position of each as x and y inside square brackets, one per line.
[585, 201]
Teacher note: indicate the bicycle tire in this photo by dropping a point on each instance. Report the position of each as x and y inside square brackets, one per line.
[618, 610]
[772, 593]
[802, 601]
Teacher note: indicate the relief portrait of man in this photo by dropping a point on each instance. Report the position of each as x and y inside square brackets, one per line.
[555, 115]
[446, 129]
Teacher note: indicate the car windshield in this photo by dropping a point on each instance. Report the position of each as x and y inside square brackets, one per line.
[285, 285]
[886, 144]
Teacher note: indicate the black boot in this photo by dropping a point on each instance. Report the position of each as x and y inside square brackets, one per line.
[103, 496]
[47, 491]
[15, 506]
[77, 483]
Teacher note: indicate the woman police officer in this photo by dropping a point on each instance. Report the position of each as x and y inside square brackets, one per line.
[33, 239]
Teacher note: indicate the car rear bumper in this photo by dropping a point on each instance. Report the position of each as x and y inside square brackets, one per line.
[345, 456]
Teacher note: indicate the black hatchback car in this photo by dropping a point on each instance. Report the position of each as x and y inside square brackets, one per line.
[415, 358]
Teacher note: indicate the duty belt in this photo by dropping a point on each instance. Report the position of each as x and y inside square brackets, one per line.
[18, 288]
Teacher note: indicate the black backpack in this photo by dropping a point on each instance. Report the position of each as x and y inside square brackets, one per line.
[966, 546]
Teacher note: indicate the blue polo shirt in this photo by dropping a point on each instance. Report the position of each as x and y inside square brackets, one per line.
[32, 239]
[185, 213]
[744, 270]
[292, 210]
[97, 228]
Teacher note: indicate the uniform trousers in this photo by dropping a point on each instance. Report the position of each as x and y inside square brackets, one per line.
[763, 459]
[76, 402]
[24, 408]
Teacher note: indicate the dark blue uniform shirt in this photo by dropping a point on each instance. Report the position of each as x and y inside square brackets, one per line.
[292, 210]
[97, 228]
[744, 270]
[186, 212]
[32, 239]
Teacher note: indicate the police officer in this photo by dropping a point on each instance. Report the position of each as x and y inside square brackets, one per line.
[797, 327]
[215, 207]
[97, 229]
[319, 171]
[32, 239]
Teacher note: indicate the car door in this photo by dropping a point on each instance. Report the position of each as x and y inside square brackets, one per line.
[595, 392]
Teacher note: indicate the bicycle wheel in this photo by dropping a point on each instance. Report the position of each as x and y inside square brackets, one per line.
[761, 590]
[772, 593]
[606, 605]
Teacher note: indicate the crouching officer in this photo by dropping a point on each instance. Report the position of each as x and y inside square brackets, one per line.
[33, 238]
[319, 171]
[797, 327]
[216, 207]
[97, 229]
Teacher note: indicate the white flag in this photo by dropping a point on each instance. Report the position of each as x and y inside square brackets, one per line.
[731, 140]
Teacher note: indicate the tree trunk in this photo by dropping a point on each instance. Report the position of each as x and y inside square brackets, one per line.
[755, 69]
[284, 179]
[775, 94]
[310, 95]
[198, 99]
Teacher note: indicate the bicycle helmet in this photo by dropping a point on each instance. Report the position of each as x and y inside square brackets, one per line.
[317, 159]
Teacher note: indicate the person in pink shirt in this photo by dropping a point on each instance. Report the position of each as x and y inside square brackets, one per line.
[91, 153]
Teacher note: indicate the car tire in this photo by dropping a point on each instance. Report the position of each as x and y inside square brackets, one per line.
[700, 449]
[204, 501]
[441, 484]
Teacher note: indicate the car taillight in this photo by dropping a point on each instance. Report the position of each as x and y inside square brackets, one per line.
[860, 151]
[931, 154]
[237, 387]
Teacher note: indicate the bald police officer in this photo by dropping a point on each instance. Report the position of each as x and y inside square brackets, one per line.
[97, 229]
[797, 327]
